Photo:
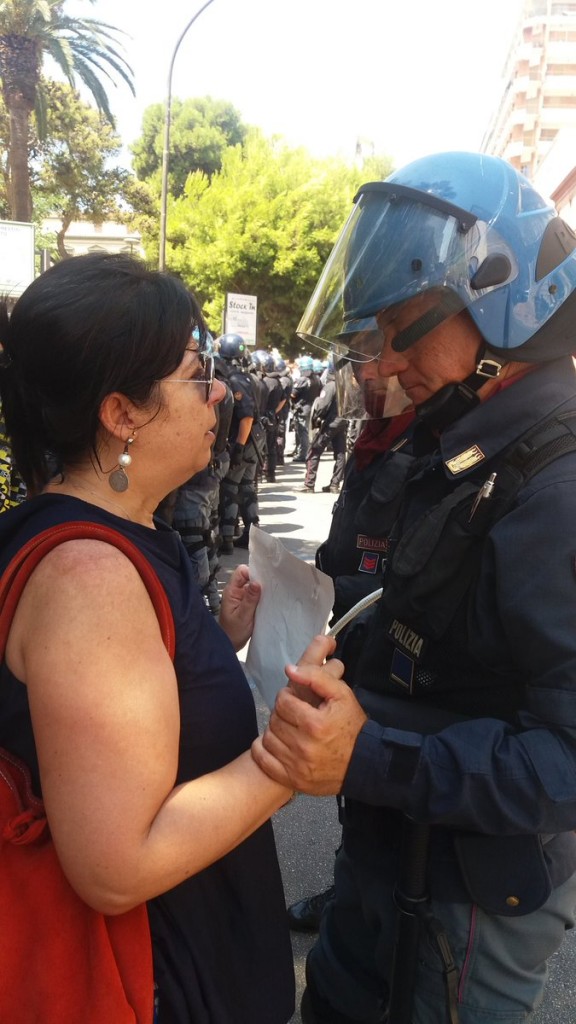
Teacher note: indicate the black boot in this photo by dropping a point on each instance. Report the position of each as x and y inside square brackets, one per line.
[304, 916]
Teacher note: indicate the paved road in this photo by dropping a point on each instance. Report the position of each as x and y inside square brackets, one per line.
[307, 831]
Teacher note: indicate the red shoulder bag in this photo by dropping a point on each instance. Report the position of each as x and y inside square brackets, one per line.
[61, 962]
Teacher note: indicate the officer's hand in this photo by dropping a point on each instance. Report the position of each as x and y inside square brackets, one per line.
[320, 648]
[239, 602]
[236, 455]
[309, 747]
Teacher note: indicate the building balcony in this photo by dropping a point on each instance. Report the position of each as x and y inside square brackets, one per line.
[557, 117]
[520, 84]
[560, 85]
[514, 149]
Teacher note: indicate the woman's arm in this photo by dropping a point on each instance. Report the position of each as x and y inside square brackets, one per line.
[105, 713]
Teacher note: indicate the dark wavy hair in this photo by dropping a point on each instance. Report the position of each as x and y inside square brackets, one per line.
[88, 326]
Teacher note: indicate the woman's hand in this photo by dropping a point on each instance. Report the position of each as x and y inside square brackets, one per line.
[239, 602]
[314, 726]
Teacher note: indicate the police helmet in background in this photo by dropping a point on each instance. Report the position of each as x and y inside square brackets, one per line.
[263, 360]
[232, 346]
[221, 367]
[472, 232]
[305, 363]
[317, 365]
[279, 364]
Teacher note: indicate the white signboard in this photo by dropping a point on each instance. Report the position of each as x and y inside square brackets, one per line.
[241, 316]
[16, 257]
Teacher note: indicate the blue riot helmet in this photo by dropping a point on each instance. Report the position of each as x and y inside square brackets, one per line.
[317, 365]
[305, 363]
[467, 227]
[221, 367]
[231, 346]
[263, 360]
[473, 233]
[279, 364]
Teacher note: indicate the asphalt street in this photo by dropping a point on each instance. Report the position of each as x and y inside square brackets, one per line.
[307, 830]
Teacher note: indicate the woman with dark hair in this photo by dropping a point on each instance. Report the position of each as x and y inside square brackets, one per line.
[144, 765]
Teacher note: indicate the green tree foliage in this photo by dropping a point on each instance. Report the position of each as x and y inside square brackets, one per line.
[73, 169]
[201, 130]
[264, 225]
[84, 49]
[4, 170]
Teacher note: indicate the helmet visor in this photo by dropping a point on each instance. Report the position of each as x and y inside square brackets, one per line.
[397, 243]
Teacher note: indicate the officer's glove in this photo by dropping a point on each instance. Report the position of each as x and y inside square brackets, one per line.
[236, 455]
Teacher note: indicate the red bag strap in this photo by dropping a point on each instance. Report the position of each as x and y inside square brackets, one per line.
[19, 569]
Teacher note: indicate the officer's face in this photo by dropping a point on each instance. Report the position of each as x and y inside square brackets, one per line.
[443, 356]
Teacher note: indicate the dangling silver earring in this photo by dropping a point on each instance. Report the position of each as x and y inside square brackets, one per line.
[118, 479]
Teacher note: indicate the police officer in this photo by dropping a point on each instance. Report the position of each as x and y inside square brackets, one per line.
[238, 493]
[330, 430]
[220, 465]
[287, 385]
[196, 515]
[196, 506]
[275, 400]
[452, 291]
[306, 389]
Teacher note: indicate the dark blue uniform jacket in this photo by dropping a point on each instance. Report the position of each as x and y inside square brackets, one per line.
[504, 656]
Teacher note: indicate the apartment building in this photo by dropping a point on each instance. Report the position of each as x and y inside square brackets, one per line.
[539, 86]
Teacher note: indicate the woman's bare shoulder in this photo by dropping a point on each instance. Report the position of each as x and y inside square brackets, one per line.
[81, 589]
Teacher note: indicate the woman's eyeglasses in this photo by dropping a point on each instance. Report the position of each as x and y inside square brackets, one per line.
[206, 375]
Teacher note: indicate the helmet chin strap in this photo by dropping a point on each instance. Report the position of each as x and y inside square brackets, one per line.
[453, 401]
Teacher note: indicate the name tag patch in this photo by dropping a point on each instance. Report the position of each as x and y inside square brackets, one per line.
[371, 543]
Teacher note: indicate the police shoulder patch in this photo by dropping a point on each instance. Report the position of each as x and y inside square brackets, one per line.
[369, 563]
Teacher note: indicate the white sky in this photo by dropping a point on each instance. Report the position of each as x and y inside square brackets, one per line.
[411, 76]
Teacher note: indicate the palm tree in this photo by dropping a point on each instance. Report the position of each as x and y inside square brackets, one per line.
[81, 47]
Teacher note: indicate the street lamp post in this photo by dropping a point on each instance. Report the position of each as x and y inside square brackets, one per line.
[166, 149]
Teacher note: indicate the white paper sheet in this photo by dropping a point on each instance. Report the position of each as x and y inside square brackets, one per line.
[296, 603]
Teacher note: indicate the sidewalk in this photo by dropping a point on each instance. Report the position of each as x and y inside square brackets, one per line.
[307, 831]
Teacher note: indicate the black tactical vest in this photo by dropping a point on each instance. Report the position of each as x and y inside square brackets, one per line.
[417, 642]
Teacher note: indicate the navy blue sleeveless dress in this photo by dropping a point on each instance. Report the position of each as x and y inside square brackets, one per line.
[222, 951]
